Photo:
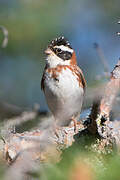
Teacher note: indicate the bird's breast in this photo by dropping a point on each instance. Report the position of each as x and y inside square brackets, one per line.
[63, 82]
[63, 93]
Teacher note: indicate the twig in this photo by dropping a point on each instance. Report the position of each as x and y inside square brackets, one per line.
[102, 57]
[9, 110]
[24, 116]
[5, 33]
[118, 33]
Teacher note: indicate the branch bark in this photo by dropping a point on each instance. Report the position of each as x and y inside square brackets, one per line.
[101, 109]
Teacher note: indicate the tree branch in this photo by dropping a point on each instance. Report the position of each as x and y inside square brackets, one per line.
[5, 34]
[101, 108]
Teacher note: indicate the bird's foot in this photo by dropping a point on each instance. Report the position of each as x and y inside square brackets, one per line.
[74, 121]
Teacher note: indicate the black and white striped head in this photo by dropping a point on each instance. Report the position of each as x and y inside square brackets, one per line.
[61, 47]
[59, 52]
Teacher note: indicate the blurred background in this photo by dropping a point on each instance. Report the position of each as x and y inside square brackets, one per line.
[32, 24]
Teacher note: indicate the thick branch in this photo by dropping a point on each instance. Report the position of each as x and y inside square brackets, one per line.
[101, 108]
[111, 91]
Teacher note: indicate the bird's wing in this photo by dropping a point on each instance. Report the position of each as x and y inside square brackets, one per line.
[43, 79]
[80, 75]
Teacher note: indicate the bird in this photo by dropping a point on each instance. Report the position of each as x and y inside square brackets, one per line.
[63, 82]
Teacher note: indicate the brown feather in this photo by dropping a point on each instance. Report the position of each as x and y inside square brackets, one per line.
[55, 71]
[43, 79]
[73, 59]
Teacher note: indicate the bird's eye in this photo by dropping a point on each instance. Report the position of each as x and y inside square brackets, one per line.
[58, 50]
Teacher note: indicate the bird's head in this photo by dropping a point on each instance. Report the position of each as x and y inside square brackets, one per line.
[60, 52]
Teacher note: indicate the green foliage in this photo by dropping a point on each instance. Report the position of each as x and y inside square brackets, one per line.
[97, 166]
[79, 159]
[2, 169]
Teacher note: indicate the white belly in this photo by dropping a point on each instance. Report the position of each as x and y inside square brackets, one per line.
[64, 96]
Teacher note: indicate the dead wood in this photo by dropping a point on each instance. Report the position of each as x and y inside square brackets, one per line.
[100, 113]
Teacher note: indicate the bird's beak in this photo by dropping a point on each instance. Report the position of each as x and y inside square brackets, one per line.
[48, 51]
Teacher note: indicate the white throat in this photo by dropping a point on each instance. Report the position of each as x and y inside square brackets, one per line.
[53, 61]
